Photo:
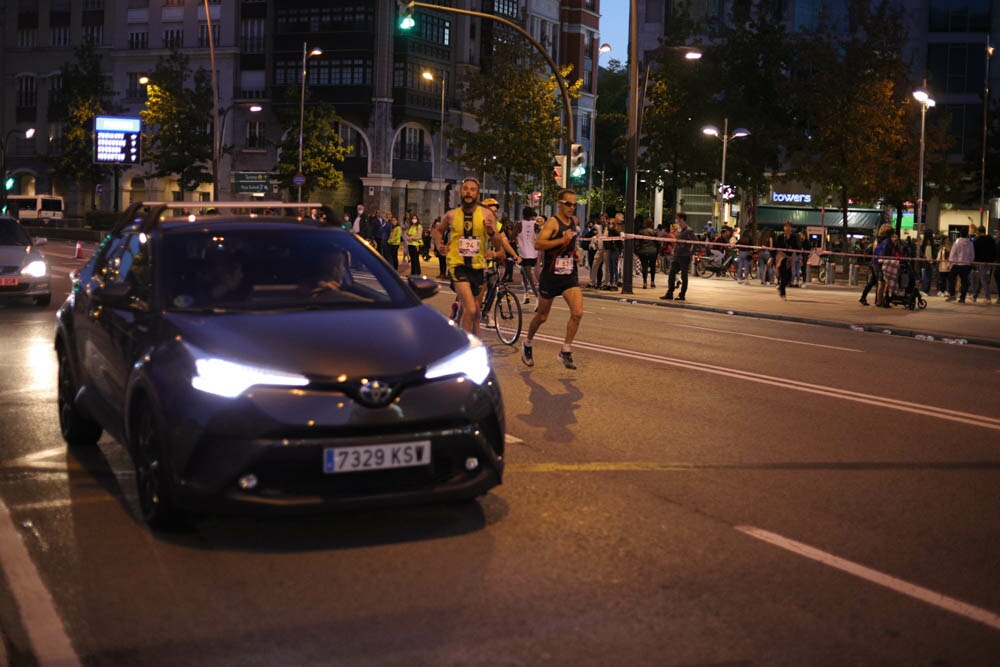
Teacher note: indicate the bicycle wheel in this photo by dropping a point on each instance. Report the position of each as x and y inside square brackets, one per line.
[507, 316]
[732, 270]
[702, 267]
[753, 269]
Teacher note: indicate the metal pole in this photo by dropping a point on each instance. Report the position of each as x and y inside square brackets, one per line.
[918, 217]
[986, 110]
[302, 112]
[444, 80]
[631, 146]
[3, 171]
[722, 180]
[215, 106]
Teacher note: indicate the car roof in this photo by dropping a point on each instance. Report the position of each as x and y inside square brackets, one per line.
[147, 216]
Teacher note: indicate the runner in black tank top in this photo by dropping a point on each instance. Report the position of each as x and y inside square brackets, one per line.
[559, 276]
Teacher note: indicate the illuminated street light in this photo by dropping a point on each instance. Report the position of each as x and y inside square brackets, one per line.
[738, 133]
[925, 103]
[306, 54]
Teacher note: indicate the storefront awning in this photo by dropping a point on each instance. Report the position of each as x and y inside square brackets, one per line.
[857, 218]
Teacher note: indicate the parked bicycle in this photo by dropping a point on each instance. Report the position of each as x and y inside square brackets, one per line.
[501, 309]
[707, 265]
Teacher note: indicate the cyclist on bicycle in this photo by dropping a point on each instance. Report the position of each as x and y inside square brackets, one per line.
[473, 234]
[719, 251]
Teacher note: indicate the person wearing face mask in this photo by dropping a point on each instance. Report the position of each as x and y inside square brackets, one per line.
[395, 238]
[414, 242]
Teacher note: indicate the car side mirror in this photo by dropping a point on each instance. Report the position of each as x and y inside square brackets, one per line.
[424, 287]
[116, 295]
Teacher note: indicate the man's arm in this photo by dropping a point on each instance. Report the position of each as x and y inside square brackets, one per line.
[545, 240]
[437, 232]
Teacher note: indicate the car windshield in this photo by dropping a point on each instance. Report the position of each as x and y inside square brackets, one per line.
[12, 233]
[264, 268]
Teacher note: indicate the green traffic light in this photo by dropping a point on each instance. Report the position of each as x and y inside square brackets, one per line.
[9, 184]
[407, 23]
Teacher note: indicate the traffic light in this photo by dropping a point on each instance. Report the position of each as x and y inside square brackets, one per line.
[8, 185]
[578, 161]
[559, 170]
[405, 15]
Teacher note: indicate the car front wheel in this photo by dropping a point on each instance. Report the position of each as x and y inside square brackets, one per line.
[151, 476]
[77, 430]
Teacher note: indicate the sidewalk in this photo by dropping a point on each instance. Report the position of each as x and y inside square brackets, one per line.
[826, 305]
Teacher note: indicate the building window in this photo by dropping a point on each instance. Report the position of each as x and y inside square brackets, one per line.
[586, 118]
[508, 8]
[957, 68]
[203, 34]
[55, 138]
[255, 139]
[93, 4]
[138, 40]
[26, 37]
[960, 16]
[173, 3]
[353, 140]
[93, 34]
[412, 145]
[27, 94]
[55, 91]
[352, 18]
[133, 89]
[60, 35]
[173, 37]
[252, 36]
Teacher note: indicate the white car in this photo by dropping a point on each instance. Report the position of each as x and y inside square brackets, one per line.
[24, 271]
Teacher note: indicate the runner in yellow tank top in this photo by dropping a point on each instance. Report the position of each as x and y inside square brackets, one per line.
[472, 237]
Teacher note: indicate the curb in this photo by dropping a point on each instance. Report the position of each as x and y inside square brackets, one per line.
[930, 336]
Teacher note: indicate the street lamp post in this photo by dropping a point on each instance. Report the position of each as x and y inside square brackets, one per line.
[925, 103]
[632, 139]
[713, 131]
[429, 76]
[28, 134]
[306, 54]
[986, 120]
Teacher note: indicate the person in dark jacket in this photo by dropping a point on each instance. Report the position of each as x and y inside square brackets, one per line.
[785, 245]
[985, 255]
[681, 260]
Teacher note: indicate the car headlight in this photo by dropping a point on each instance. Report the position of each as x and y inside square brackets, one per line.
[35, 269]
[230, 379]
[471, 362]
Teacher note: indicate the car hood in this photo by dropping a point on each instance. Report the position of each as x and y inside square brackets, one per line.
[327, 343]
[18, 255]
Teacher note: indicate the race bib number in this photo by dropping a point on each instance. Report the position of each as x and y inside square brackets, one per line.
[468, 247]
[563, 266]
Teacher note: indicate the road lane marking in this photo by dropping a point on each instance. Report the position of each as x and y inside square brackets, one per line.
[46, 634]
[827, 391]
[972, 612]
[778, 340]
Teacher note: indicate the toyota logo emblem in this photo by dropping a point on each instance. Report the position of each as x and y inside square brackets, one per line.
[375, 392]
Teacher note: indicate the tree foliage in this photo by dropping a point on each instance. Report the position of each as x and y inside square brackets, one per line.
[177, 122]
[517, 108]
[322, 146]
[84, 96]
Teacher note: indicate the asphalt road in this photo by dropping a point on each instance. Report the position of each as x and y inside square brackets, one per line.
[704, 490]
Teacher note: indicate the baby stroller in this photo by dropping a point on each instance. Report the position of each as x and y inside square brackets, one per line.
[901, 285]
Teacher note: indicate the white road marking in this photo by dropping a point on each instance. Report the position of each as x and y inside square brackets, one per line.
[46, 633]
[827, 391]
[778, 340]
[512, 439]
[972, 612]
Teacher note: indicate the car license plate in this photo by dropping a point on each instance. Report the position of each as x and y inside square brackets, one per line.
[8, 282]
[376, 457]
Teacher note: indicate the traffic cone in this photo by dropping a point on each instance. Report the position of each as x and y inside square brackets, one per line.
[79, 251]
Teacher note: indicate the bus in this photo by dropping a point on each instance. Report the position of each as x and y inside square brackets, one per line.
[35, 207]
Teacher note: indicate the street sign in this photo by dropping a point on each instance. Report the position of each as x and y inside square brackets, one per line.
[251, 182]
[299, 179]
[117, 140]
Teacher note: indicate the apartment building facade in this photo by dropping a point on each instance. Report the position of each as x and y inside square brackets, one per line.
[392, 114]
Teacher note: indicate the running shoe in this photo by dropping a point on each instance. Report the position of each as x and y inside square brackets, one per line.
[526, 355]
[567, 360]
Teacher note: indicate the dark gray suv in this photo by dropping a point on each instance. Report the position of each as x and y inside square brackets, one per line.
[253, 359]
